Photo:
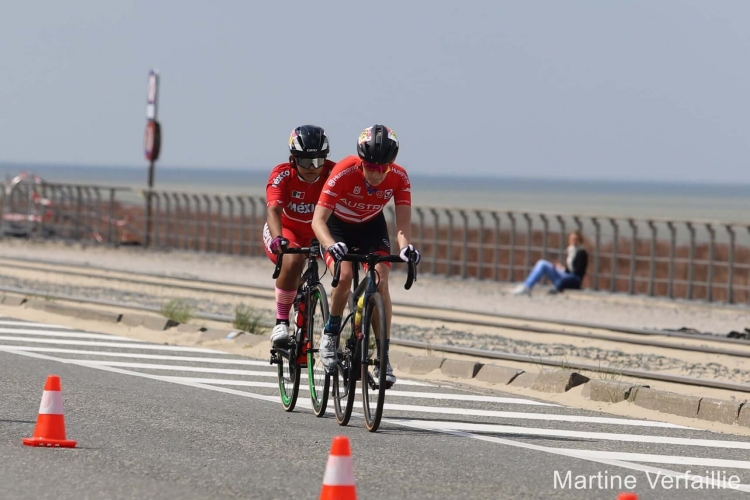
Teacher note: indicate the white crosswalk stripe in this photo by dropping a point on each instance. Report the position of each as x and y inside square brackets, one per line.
[622, 442]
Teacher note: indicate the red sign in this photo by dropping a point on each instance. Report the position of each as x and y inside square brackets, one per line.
[152, 140]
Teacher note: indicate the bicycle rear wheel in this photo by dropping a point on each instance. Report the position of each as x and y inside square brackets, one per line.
[344, 383]
[289, 375]
[373, 388]
[316, 374]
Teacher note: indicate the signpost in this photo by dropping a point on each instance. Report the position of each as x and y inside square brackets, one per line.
[151, 143]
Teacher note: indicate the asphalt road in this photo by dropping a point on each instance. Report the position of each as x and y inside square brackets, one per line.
[159, 421]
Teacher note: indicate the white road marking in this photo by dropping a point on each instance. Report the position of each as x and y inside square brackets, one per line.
[152, 347]
[558, 451]
[472, 397]
[67, 334]
[28, 323]
[199, 369]
[390, 393]
[136, 355]
[528, 416]
[595, 436]
[665, 459]
[403, 423]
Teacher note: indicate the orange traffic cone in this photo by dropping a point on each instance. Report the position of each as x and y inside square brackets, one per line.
[50, 423]
[627, 496]
[338, 482]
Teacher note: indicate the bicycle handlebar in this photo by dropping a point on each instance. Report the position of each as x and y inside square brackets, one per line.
[373, 258]
[287, 250]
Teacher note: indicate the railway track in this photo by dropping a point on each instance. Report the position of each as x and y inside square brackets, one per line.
[676, 341]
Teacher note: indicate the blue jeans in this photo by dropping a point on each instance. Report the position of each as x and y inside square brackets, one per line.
[560, 279]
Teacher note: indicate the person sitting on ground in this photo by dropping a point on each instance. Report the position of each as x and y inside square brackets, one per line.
[562, 277]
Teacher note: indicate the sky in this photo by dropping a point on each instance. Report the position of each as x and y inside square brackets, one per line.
[602, 90]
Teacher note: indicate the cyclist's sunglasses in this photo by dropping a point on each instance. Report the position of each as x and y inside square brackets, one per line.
[310, 163]
[383, 169]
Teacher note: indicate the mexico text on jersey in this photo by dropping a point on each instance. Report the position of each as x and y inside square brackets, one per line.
[353, 200]
[298, 197]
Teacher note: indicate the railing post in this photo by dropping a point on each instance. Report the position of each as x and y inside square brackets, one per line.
[187, 222]
[730, 265]
[231, 225]
[512, 253]
[652, 263]
[527, 257]
[177, 213]
[79, 209]
[157, 219]
[613, 263]
[496, 247]
[480, 243]
[89, 211]
[449, 255]
[545, 235]
[691, 260]
[219, 223]
[633, 250]
[672, 251]
[207, 224]
[561, 223]
[711, 256]
[196, 223]
[597, 250]
[168, 217]
[243, 224]
[253, 224]
[464, 244]
[435, 237]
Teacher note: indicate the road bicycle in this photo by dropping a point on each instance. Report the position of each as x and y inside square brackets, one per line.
[310, 312]
[359, 341]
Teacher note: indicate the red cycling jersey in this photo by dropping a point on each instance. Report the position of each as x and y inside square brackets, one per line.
[297, 196]
[353, 200]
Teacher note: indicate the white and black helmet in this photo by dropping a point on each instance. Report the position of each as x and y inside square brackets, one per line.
[308, 141]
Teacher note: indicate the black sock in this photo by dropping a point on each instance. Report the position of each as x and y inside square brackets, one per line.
[279, 321]
[333, 325]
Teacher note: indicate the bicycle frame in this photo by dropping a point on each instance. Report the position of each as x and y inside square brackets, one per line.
[308, 281]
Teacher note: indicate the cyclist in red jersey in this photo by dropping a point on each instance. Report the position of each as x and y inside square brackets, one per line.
[349, 215]
[291, 193]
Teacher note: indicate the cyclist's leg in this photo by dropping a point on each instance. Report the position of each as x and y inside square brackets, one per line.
[341, 232]
[286, 285]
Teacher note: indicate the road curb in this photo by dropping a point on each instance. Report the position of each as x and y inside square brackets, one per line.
[719, 410]
[422, 365]
[609, 391]
[524, 379]
[455, 368]
[558, 381]
[14, 300]
[496, 374]
[668, 402]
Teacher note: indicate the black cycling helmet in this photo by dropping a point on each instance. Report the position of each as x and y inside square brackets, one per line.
[378, 144]
[308, 141]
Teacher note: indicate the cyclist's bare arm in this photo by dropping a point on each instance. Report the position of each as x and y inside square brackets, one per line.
[320, 226]
[274, 219]
[403, 225]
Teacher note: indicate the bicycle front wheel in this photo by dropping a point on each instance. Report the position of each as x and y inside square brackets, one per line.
[374, 364]
[345, 380]
[316, 374]
[289, 375]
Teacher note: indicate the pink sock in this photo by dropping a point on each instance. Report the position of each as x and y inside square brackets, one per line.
[284, 300]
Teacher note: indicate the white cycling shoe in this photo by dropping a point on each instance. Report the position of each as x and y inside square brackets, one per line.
[327, 352]
[280, 334]
[389, 376]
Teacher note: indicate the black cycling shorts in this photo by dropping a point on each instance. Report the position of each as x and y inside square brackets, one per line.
[363, 237]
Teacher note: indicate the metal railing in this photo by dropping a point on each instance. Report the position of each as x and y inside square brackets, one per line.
[698, 260]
